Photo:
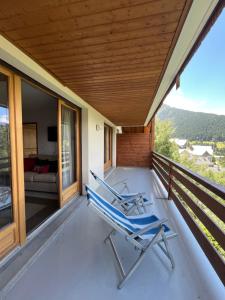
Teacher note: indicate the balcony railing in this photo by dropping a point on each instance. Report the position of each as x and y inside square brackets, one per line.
[201, 204]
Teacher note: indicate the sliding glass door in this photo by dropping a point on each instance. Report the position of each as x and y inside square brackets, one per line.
[12, 196]
[9, 216]
[107, 147]
[69, 151]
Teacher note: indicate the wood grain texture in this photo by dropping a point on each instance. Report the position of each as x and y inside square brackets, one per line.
[111, 53]
[19, 158]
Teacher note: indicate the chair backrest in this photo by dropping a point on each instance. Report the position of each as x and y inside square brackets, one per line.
[107, 186]
[108, 209]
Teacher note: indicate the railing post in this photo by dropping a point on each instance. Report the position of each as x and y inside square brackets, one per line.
[170, 180]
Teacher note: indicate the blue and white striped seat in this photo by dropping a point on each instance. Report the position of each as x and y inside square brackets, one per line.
[143, 231]
[132, 223]
[127, 201]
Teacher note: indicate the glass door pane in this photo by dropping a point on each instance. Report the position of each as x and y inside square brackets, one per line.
[106, 144]
[107, 147]
[68, 147]
[6, 212]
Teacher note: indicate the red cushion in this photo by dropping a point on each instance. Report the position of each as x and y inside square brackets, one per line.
[44, 169]
[41, 169]
[29, 163]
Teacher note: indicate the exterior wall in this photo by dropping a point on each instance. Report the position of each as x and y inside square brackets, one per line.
[133, 149]
[134, 146]
[92, 140]
[93, 146]
[96, 144]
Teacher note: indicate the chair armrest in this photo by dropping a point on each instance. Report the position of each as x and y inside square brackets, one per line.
[147, 228]
[132, 196]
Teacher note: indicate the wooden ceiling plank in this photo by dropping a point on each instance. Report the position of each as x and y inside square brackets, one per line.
[117, 15]
[106, 51]
[106, 80]
[117, 88]
[156, 34]
[115, 74]
[123, 14]
[140, 40]
[147, 63]
[41, 15]
[57, 55]
[107, 60]
[102, 30]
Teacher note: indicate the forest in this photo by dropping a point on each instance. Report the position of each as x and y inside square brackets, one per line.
[194, 126]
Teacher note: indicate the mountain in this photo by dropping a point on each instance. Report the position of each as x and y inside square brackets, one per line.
[194, 125]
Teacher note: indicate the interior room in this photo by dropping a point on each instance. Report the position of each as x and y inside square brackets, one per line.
[39, 113]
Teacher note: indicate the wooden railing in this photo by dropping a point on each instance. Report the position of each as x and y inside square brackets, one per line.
[202, 205]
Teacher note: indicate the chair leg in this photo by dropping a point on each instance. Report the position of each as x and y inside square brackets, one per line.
[132, 269]
[139, 260]
[167, 252]
[108, 236]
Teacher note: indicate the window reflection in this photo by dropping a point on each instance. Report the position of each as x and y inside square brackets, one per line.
[5, 155]
[68, 147]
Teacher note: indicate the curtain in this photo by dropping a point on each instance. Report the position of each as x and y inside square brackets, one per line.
[68, 147]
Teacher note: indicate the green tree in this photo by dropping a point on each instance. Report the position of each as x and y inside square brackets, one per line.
[163, 143]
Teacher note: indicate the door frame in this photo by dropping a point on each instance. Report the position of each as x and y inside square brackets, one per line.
[14, 233]
[74, 188]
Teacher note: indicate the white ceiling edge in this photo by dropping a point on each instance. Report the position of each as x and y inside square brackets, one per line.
[19, 60]
[198, 15]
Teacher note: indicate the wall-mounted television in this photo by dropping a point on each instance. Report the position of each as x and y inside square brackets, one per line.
[52, 133]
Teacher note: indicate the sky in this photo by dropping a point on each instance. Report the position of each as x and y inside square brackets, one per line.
[202, 83]
[4, 116]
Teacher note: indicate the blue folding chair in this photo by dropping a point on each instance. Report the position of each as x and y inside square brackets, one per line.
[143, 231]
[129, 202]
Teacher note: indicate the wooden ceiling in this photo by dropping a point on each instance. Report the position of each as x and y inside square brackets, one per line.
[112, 53]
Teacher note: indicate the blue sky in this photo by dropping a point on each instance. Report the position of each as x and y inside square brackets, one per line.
[203, 80]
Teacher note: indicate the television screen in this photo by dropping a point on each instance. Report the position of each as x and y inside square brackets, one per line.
[52, 134]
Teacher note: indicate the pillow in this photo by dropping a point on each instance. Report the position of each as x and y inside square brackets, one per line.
[29, 163]
[41, 169]
[53, 166]
[44, 169]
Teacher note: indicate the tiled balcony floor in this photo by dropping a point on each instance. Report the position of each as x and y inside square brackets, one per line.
[78, 265]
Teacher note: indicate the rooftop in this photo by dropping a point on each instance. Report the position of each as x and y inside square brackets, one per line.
[76, 264]
[201, 150]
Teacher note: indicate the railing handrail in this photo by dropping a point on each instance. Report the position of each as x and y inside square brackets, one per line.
[182, 184]
[210, 185]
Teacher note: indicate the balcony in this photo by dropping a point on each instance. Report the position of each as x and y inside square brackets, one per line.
[76, 264]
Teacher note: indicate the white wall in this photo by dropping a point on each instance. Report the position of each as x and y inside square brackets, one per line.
[41, 108]
[44, 119]
[93, 145]
[96, 144]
